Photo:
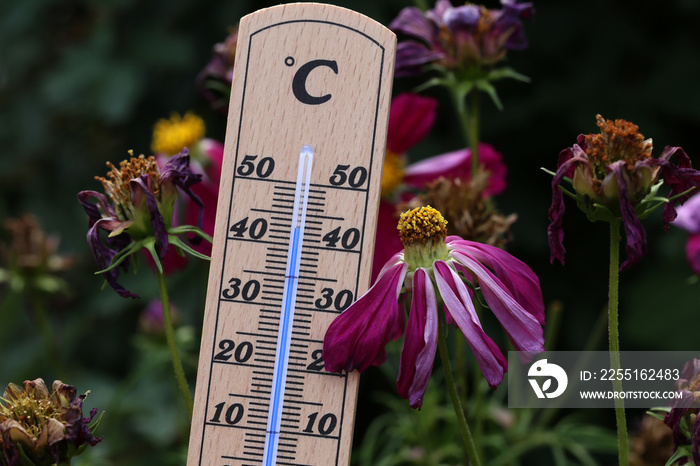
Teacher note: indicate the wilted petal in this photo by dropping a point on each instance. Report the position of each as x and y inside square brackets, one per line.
[696, 441]
[680, 178]
[104, 255]
[636, 236]
[13, 433]
[690, 370]
[518, 278]
[462, 19]
[523, 330]
[555, 231]
[56, 431]
[420, 344]
[412, 22]
[438, 13]
[412, 56]
[357, 337]
[410, 120]
[508, 23]
[673, 419]
[457, 164]
[36, 389]
[459, 305]
[91, 209]
[157, 221]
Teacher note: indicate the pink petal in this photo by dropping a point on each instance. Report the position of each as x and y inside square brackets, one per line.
[692, 252]
[458, 165]
[420, 344]
[523, 330]
[519, 279]
[689, 215]
[356, 338]
[387, 243]
[410, 120]
[459, 305]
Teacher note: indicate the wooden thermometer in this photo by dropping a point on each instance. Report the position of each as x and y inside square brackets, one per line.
[294, 235]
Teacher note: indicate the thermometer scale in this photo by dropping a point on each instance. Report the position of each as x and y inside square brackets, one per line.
[294, 235]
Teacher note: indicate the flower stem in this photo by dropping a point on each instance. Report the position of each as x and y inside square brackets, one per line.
[469, 122]
[614, 339]
[452, 389]
[47, 334]
[473, 131]
[170, 337]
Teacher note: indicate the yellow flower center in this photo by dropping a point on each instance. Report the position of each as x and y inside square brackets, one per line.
[392, 175]
[30, 412]
[419, 225]
[116, 184]
[423, 231]
[170, 136]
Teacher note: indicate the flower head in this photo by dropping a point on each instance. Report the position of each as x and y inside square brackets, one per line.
[44, 428]
[472, 215]
[432, 269]
[214, 81]
[462, 38]
[171, 135]
[151, 319]
[683, 417]
[137, 211]
[614, 176]
[31, 258]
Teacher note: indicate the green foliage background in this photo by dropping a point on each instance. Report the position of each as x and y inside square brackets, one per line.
[83, 81]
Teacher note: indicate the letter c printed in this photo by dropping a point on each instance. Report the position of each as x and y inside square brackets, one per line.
[299, 82]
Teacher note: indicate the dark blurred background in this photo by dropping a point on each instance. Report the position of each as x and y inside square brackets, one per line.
[82, 82]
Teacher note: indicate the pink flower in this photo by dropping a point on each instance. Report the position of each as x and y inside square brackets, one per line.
[455, 269]
[410, 120]
[689, 219]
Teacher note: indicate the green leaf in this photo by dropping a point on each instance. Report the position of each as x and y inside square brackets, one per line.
[175, 241]
[431, 83]
[683, 451]
[485, 86]
[190, 229]
[506, 72]
[150, 244]
[122, 255]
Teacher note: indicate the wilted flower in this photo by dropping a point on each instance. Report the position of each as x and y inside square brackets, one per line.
[137, 211]
[652, 444]
[683, 417]
[170, 136]
[456, 269]
[471, 213]
[689, 219]
[614, 177]
[214, 81]
[38, 428]
[465, 39]
[410, 120]
[31, 258]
